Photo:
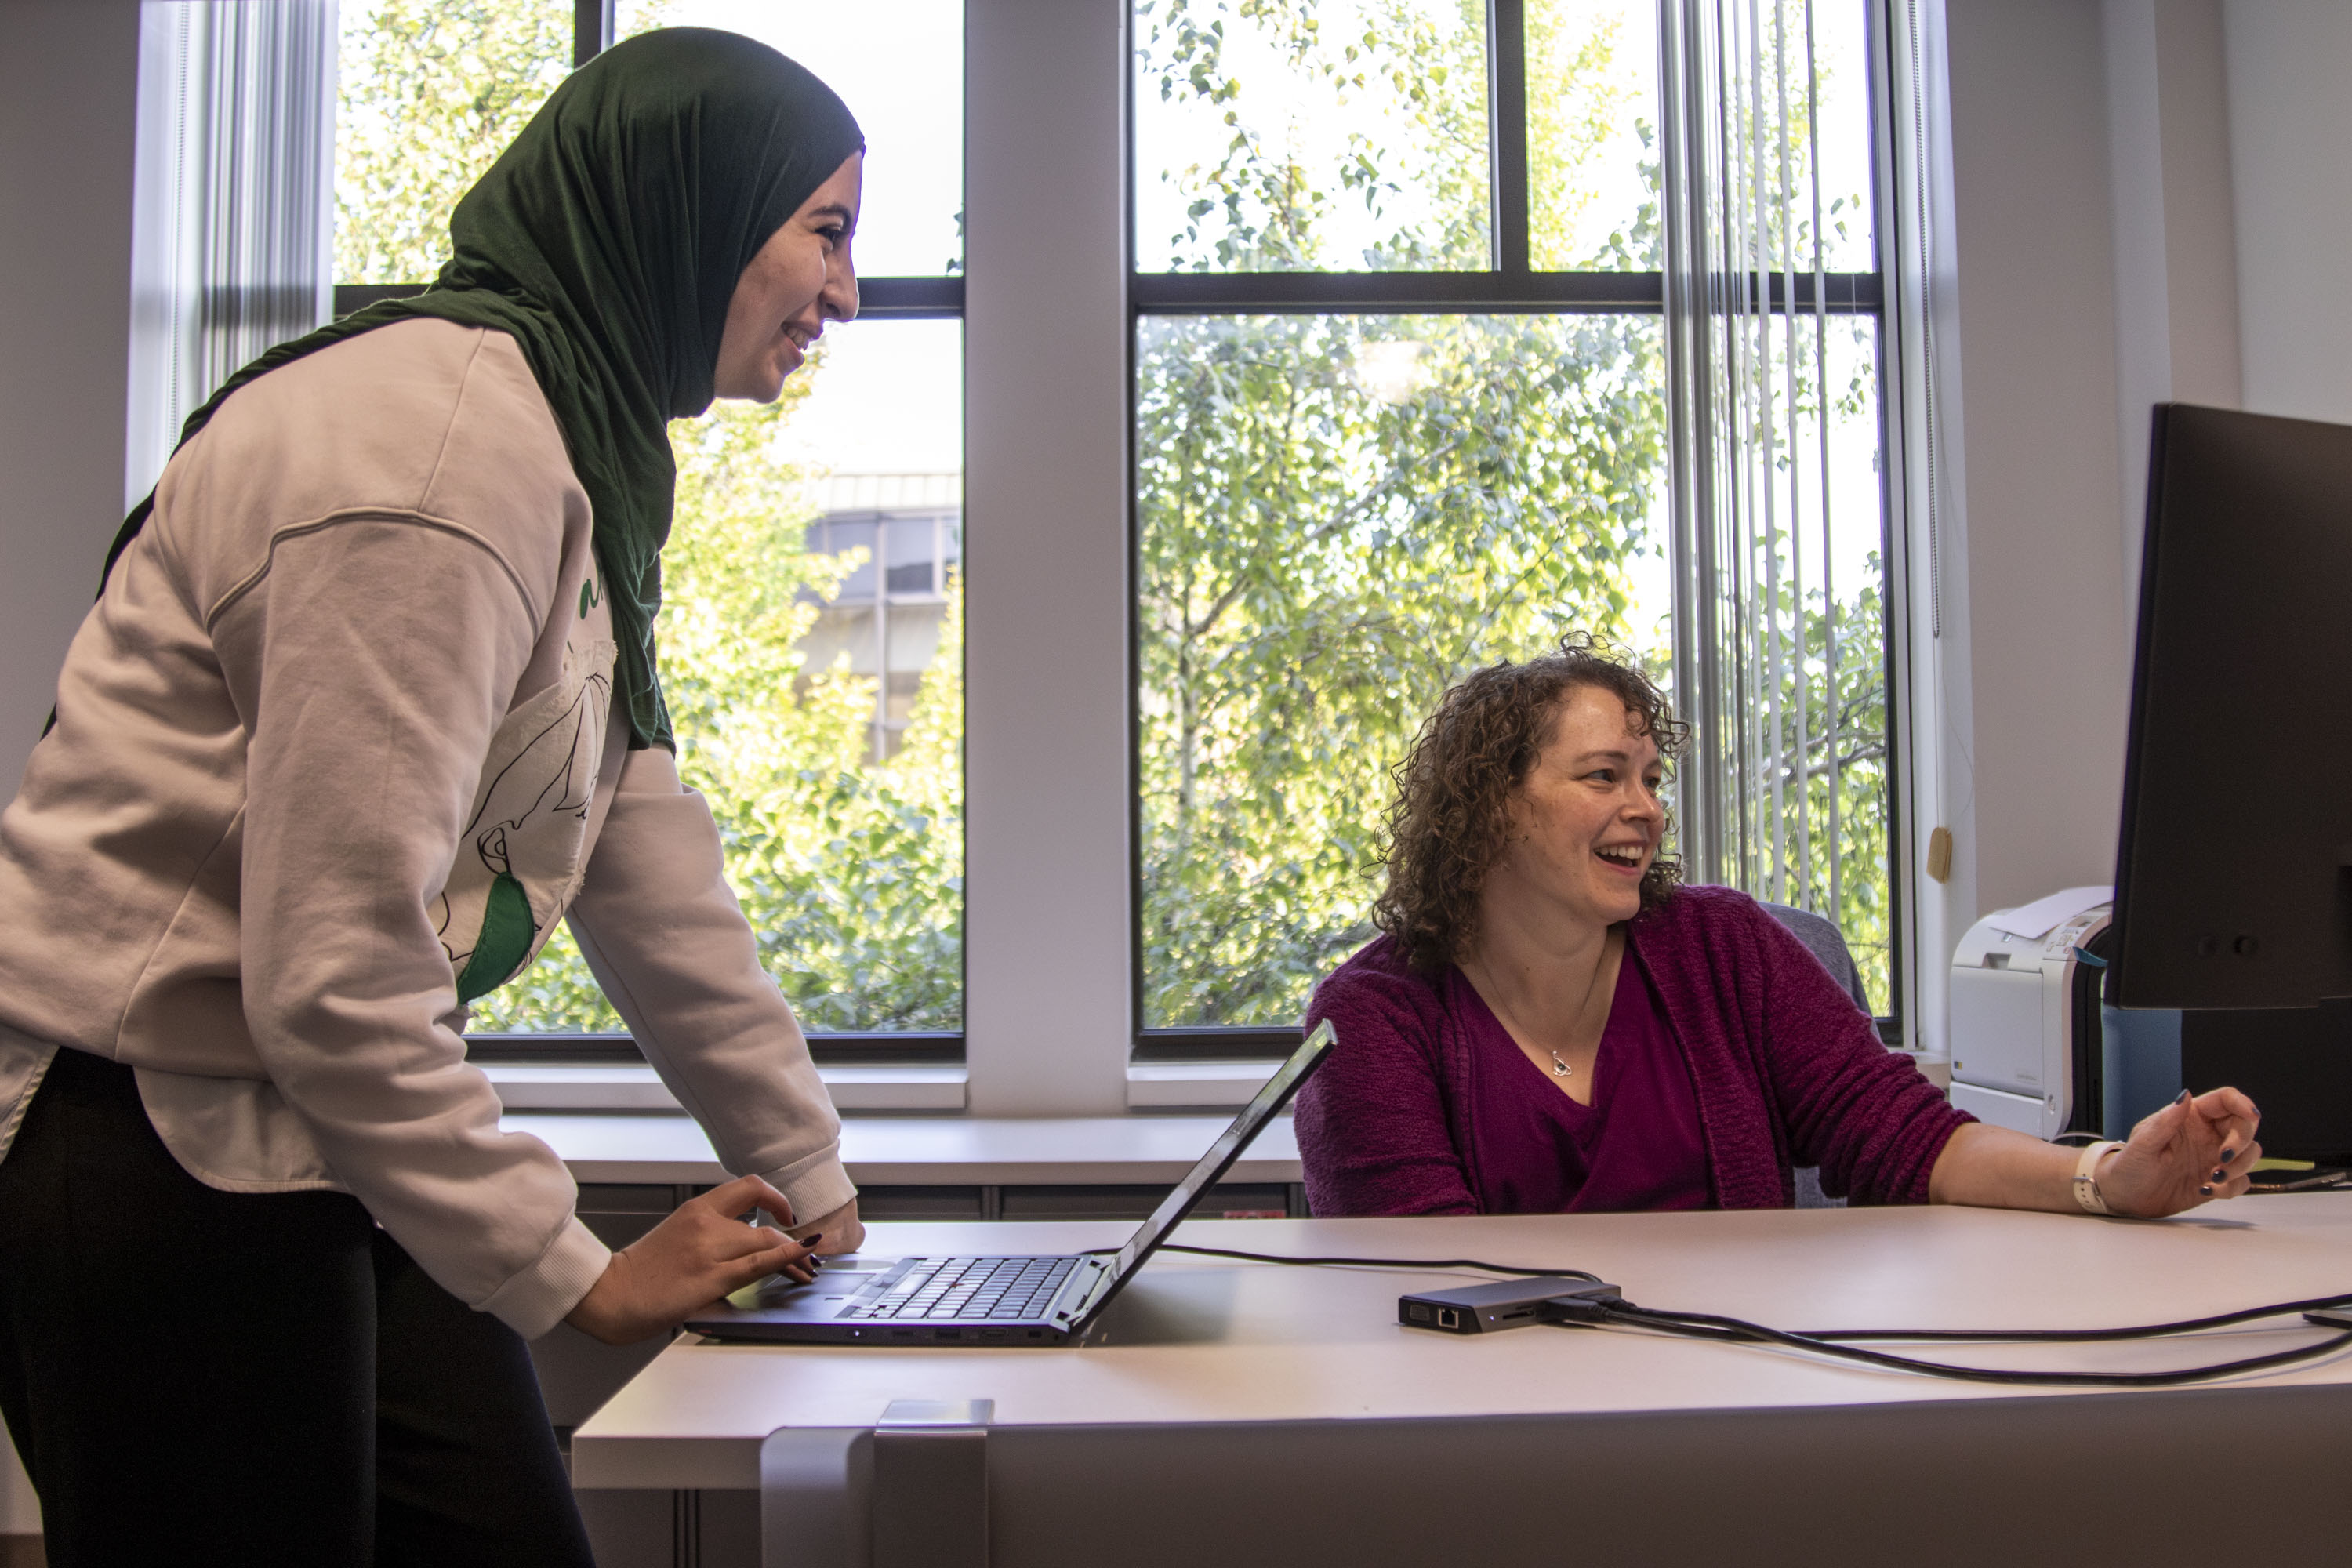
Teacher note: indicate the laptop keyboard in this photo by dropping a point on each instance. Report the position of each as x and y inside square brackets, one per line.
[993, 1288]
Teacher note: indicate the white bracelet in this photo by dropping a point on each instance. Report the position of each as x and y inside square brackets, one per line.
[2087, 1178]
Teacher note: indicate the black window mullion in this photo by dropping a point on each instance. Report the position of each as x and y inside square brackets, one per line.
[592, 30]
[1319, 293]
[1278, 293]
[909, 299]
[1507, 123]
[879, 299]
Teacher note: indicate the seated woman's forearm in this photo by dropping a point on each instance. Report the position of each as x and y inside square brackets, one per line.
[1994, 1168]
[2197, 1149]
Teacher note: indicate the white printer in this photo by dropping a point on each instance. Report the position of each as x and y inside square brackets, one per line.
[2026, 1037]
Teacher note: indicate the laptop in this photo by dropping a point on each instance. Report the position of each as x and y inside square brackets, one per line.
[990, 1298]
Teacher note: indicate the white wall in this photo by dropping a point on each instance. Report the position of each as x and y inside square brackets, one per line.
[1047, 1004]
[2290, 111]
[69, 84]
[2146, 201]
[2176, 244]
[2044, 649]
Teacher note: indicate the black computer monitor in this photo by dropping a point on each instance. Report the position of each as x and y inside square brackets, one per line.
[2231, 881]
[2233, 875]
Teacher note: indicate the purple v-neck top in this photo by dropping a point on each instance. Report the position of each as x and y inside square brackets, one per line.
[1635, 1148]
[1781, 1068]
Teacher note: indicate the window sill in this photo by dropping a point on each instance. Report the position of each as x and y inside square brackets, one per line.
[927, 1151]
[1169, 1086]
[618, 1086]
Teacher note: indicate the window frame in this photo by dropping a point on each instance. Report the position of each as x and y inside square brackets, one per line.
[1510, 286]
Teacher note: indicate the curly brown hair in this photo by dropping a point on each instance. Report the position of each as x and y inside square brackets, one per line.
[1450, 817]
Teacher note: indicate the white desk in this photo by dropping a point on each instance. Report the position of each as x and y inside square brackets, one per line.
[1305, 1402]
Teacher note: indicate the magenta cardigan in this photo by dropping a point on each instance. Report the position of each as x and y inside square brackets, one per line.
[1786, 1070]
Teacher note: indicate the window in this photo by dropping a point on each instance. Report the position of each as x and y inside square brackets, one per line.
[811, 633]
[1312, 352]
[1401, 404]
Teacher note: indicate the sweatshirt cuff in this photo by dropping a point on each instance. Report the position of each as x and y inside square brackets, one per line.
[814, 1186]
[542, 1295]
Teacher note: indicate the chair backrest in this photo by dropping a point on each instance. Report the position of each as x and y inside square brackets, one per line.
[1825, 941]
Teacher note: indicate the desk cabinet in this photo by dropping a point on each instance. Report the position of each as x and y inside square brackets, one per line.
[693, 1529]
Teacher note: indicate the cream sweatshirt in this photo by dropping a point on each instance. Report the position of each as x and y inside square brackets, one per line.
[339, 732]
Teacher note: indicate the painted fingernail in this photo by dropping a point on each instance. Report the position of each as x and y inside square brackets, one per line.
[2218, 1173]
[2228, 1156]
[2183, 1095]
[2207, 1191]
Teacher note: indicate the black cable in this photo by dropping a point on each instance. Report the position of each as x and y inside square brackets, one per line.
[1374, 1262]
[2144, 1330]
[1707, 1325]
[1704, 1325]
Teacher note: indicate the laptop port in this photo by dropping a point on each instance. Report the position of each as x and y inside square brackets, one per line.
[1449, 1318]
[991, 1333]
[947, 1334]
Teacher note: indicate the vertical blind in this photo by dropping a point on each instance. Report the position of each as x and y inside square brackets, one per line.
[1749, 296]
[237, 140]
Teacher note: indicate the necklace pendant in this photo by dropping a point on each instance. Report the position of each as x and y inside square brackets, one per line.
[1558, 1068]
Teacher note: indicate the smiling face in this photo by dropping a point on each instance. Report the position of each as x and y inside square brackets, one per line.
[802, 278]
[1586, 822]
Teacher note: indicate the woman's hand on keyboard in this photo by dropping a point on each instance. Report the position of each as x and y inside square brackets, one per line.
[700, 1253]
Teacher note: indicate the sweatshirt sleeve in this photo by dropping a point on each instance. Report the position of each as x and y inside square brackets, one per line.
[667, 942]
[1863, 1113]
[1373, 1137]
[371, 663]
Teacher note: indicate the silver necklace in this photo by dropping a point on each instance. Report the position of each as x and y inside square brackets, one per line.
[1559, 1067]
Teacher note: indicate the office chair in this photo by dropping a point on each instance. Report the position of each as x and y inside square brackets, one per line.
[1825, 941]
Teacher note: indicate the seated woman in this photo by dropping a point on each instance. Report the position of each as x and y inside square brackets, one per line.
[1551, 1022]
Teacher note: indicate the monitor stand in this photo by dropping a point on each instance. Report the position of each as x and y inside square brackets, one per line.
[2294, 1063]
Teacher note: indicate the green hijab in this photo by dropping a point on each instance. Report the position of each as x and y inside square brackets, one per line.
[607, 241]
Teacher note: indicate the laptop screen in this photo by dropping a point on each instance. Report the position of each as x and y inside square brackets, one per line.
[1228, 1147]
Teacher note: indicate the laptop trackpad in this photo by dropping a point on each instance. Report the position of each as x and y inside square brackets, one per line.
[834, 1286]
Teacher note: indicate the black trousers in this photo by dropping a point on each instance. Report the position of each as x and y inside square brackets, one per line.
[201, 1377]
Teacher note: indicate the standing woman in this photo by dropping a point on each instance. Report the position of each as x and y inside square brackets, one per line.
[367, 704]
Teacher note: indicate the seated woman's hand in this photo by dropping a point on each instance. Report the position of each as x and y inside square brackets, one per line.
[700, 1253]
[2193, 1151]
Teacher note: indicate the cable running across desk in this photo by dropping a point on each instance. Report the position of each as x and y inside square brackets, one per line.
[1706, 1325]
[1835, 1342]
[2055, 1336]
[1445, 1263]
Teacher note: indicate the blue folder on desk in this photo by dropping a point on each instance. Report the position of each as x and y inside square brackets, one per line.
[1025, 1300]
